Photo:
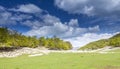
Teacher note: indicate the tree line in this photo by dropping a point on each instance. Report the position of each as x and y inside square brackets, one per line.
[11, 38]
[113, 42]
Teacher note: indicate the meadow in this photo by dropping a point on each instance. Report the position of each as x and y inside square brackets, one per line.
[63, 61]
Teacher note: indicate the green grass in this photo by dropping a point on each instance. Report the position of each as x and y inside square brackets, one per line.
[63, 61]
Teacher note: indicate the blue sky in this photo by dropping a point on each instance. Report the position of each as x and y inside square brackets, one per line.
[77, 21]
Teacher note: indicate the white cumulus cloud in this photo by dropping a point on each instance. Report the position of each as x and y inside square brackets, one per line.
[28, 8]
[53, 26]
[90, 7]
[73, 22]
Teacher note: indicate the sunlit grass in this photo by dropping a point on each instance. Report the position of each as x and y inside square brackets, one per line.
[63, 61]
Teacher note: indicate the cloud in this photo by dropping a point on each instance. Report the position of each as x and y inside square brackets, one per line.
[87, 38]
[94, 29]
[5, 17]
[49, 19]
[27, 8]
[2, 8]
[55, 29]
[32, 23]
[62, 30]
[73, 22]
[44, 20]
[9, 18]
[90, 7]
[49, 25]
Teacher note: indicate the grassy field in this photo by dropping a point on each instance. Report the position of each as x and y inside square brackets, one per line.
[63, 61]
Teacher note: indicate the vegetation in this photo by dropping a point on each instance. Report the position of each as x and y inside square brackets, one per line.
[113, 41]
[96, 44]
[10, 38]
[63, 61]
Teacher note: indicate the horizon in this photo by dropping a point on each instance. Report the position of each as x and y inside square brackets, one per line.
[79, 22]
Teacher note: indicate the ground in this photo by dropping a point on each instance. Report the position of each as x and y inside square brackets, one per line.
[63, 61]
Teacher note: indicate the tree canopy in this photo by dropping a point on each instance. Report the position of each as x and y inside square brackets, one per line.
[10, 38]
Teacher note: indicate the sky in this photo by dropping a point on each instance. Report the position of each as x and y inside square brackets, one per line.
[77, 21]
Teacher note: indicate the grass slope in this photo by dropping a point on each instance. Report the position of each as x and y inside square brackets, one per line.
[113, 42]
[63, 61]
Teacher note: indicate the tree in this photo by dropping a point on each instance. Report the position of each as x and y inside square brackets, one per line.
[4, 33]
[15, 39]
